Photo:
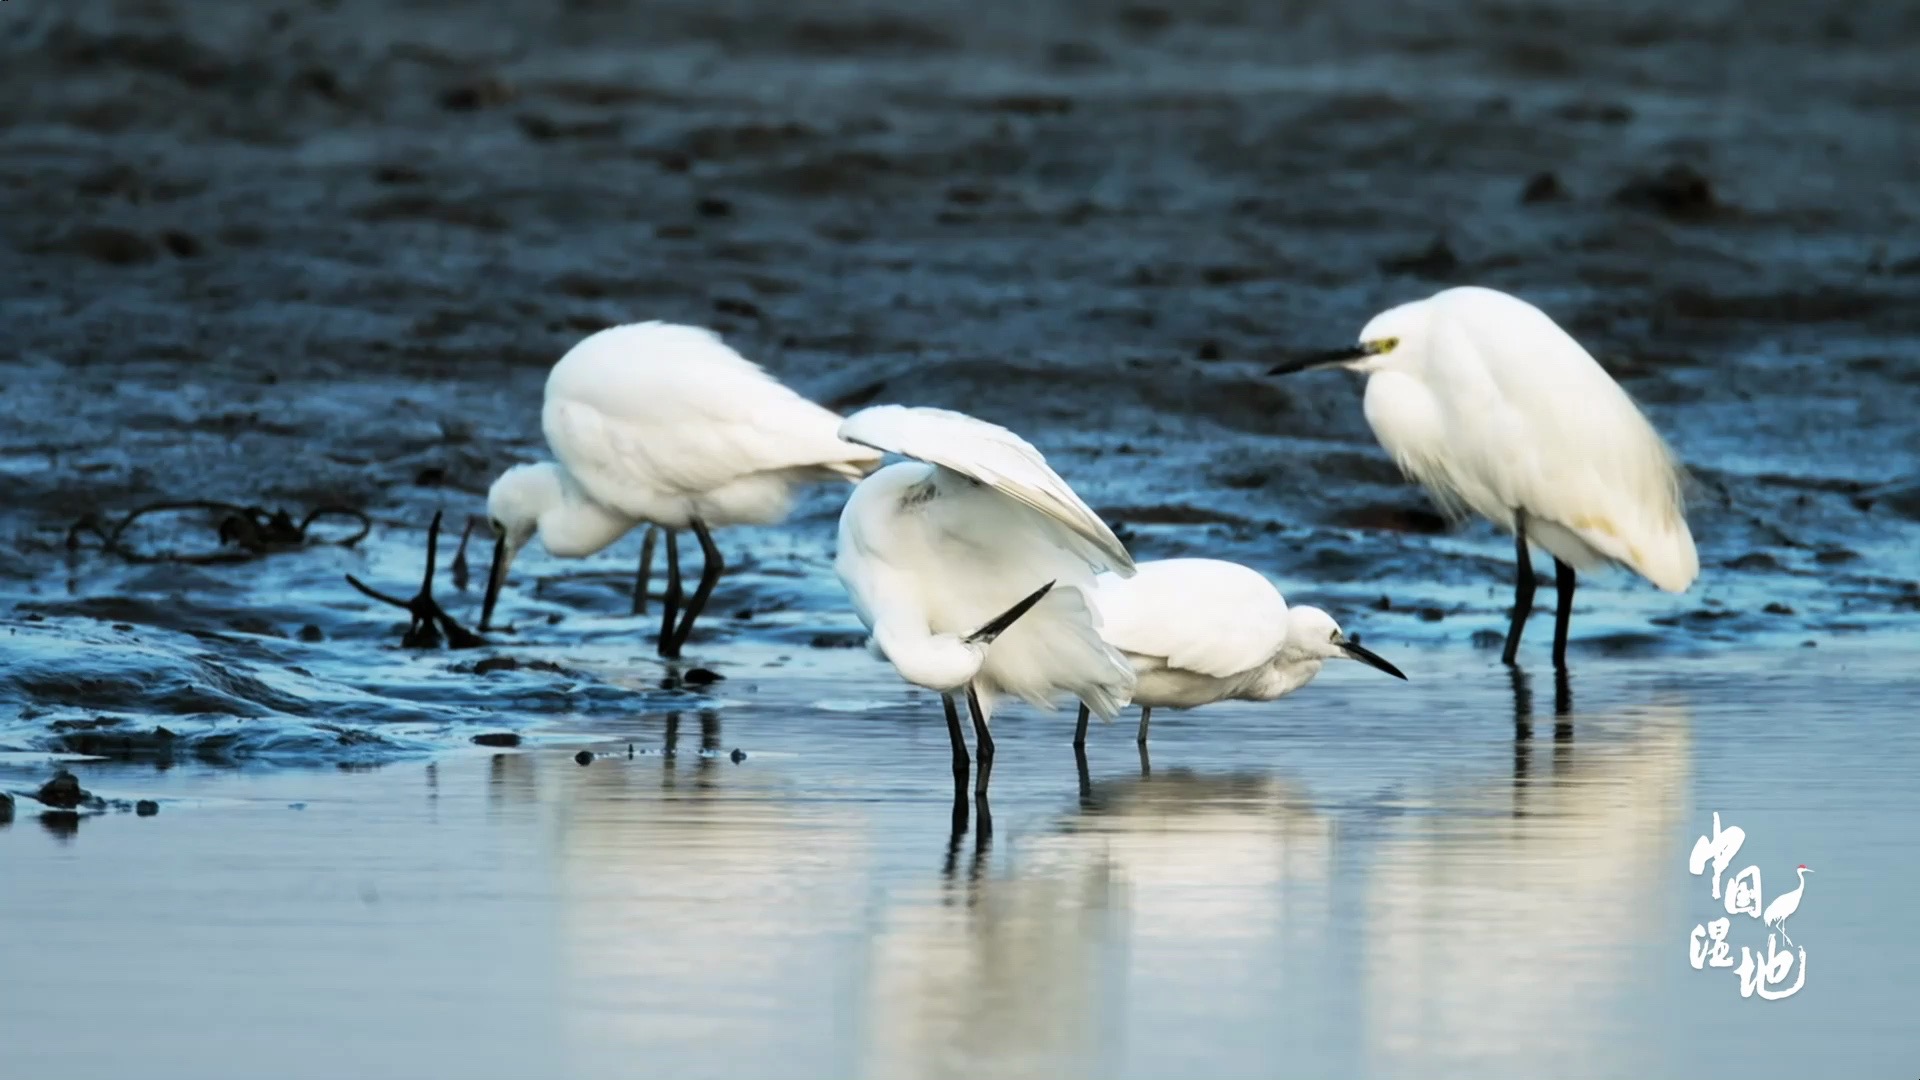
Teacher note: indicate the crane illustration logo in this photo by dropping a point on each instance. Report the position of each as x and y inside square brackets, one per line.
[1707, 945]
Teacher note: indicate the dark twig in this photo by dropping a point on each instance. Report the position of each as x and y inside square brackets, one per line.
[428, 622]
[252, 530]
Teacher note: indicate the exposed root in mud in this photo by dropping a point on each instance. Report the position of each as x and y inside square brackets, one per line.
[431, 624]
[250, 530]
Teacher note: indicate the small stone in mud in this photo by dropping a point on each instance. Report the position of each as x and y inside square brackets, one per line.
[1209, 350]
[146, 808]
[1835, 556]
[1677, 191]
[1487, 639]
[837, 641]
[311, 632]
[1754, 560]
[398, 174]
[476, 95]
[431, 476]
[109, 244]
[1543, 187]
[712, 207]
[183, 245]
[496, 663]
[584, 757]
[1777, 608]
[744, 614]
[1431, 614]
[63, 791]
[496, 738]
[702, 677]
[738, 755]
[1385, 603]
[1436, 260]
[125, 628]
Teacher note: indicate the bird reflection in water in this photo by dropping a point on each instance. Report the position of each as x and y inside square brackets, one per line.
[1523, 727]
[1510, 917]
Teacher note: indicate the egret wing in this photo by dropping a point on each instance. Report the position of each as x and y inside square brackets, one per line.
[1202, 615]
[672, 410]
[991, 455]
[1536, 421]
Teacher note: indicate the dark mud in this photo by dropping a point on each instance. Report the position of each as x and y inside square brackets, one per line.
[323, 254]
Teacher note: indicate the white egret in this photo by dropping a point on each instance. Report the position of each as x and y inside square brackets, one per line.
[665, 425]
[944, 554]
[1786, 904]
[1485, 401]
[1199, 631]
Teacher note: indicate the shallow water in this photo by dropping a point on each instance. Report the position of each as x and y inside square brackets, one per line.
[324, 254]
[1377, 880]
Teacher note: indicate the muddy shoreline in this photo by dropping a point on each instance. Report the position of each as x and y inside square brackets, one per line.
[323, 254]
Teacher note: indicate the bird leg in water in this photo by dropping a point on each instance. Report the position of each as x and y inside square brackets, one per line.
[1146, 714]
[1080, 729]
[671, 601]
[711, 567]
[460, 576]
[1086, 778]
[429, 621]
[1523, 585]
[959, 740]
[982, 742]
[643, 577]
[1563, 584]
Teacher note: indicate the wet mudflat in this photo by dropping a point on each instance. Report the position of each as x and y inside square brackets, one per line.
[322, 255]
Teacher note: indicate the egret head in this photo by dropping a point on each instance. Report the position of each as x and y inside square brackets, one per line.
[1389, 339]
[1313, 635]
[948, 661]
[514, 505]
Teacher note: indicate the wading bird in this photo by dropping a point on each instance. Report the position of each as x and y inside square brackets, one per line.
[659, 424]
[1786, 904]
[1199, 631]
[970, 567]
[1485, 401]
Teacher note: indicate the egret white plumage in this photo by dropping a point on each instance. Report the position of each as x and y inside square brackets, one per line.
[970, 567]
[1489, 404]
[665, 425]
[1199, 631]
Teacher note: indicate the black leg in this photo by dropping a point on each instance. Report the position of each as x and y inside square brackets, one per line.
[671, 602]
[1080, 729]
[1562, 615]
[1146, 714]
[982, 743]
[711, 567]
[644, 576]
[1522, 588]
[959, 741]
[1146, 763]
[1086, 778]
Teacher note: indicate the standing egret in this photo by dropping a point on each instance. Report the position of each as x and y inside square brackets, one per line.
[664, 425]
[1786, 904]
[1486, 402]
[944, 554]
[1199, 631]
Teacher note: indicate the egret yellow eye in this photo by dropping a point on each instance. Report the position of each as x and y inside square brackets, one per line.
[1380, 345]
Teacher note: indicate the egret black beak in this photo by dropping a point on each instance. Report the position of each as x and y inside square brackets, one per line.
[496, 577]
[1371, 659]
[998, 626]
[1309, 361]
